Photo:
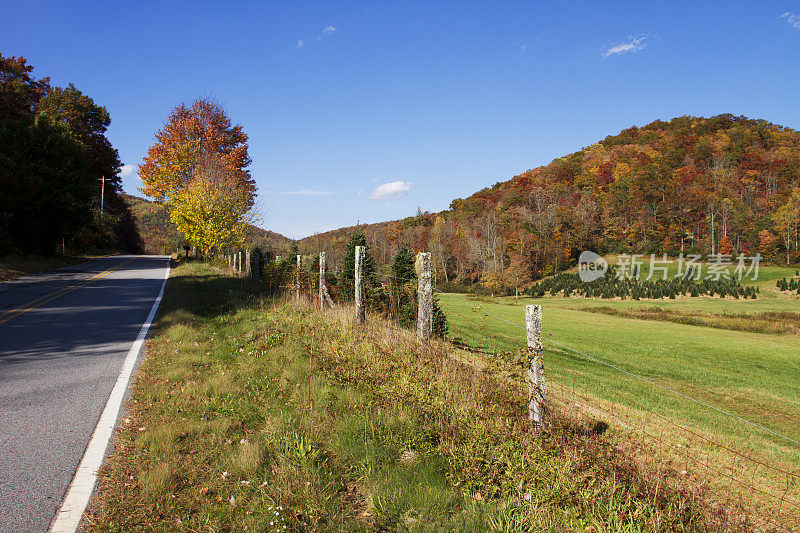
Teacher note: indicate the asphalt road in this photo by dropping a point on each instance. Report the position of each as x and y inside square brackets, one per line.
[63, 339]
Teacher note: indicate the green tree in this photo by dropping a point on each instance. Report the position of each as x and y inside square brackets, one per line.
[403, 293]
[347, 277]
[52, 155]
[44, 186]
[402, 265]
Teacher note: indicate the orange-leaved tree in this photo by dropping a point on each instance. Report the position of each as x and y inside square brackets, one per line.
[189, 135]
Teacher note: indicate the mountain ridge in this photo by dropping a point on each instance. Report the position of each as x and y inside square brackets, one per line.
[693, 184]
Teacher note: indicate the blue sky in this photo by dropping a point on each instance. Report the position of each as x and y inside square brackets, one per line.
[365, 111]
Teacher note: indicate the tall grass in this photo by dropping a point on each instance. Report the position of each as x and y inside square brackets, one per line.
[246, 407]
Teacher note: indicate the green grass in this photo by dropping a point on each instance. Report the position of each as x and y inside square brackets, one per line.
[247, 406]
[756, 376]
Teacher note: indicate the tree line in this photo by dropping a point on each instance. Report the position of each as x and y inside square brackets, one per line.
[719, 185]
[55, 162]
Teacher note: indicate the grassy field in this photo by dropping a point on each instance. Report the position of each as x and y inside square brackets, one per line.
[755, 376]
[256, 414]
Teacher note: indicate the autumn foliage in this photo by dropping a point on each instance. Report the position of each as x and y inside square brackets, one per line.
[190, 133]
[723, 184]
[198, 167]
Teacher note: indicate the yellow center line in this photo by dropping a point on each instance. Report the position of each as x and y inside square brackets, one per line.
[33, 304]
[48, 295]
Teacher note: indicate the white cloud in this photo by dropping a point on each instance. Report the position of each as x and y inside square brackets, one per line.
[634, 44]
[391, 190]
[359, 193]
[300, 44]
[127, 170]
[327, 30]
[792, 19]
[308, 192]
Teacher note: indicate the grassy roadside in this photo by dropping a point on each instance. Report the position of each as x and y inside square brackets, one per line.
[250, 414]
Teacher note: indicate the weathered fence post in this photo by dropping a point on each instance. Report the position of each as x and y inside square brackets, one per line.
[247, 262]
[297, 294]
[360, 315]
[240, 263]
[322, 288]
[424, 298]
[234, 263]
[536, 406]
[324, 297]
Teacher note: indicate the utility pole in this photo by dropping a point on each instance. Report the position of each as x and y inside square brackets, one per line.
[102, 192]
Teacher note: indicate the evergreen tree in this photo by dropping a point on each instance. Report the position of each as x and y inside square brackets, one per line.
[347, 278]
[402, 265]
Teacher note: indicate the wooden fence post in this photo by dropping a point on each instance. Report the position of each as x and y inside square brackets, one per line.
[247, 259]
[240, 263]
[297, 294]
[536, 405]
[324, 297]
[322, 288]
[234, 262]
[424, 298]
[360, 315]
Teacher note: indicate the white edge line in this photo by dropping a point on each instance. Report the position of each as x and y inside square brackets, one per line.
[69, 516]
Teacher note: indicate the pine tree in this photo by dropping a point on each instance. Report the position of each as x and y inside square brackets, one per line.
[402, 265]
[347, 278]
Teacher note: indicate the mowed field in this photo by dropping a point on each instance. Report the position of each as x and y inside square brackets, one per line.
[753, 375]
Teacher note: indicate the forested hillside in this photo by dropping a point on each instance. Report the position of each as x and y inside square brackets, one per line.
[723, 184]
[161, 236]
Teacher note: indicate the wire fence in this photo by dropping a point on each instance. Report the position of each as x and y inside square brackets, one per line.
[702, 458]
[655, 422]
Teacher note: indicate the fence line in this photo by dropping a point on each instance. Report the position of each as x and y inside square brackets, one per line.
[641, 378]
[683, 444]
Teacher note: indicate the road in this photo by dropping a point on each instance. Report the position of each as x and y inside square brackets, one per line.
[63, 339]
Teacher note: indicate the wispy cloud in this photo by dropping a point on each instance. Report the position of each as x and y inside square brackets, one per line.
[327, 30]
[521, 46]
[308, 192]
[391, 190]
[792, 19]
[359, 193]
[632, 45]
[127, 170]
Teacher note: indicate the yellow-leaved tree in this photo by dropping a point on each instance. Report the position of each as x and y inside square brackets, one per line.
[198, 168]
[213, 210]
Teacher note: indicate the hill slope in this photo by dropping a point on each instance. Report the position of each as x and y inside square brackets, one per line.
[707, 185]
[160, 235]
